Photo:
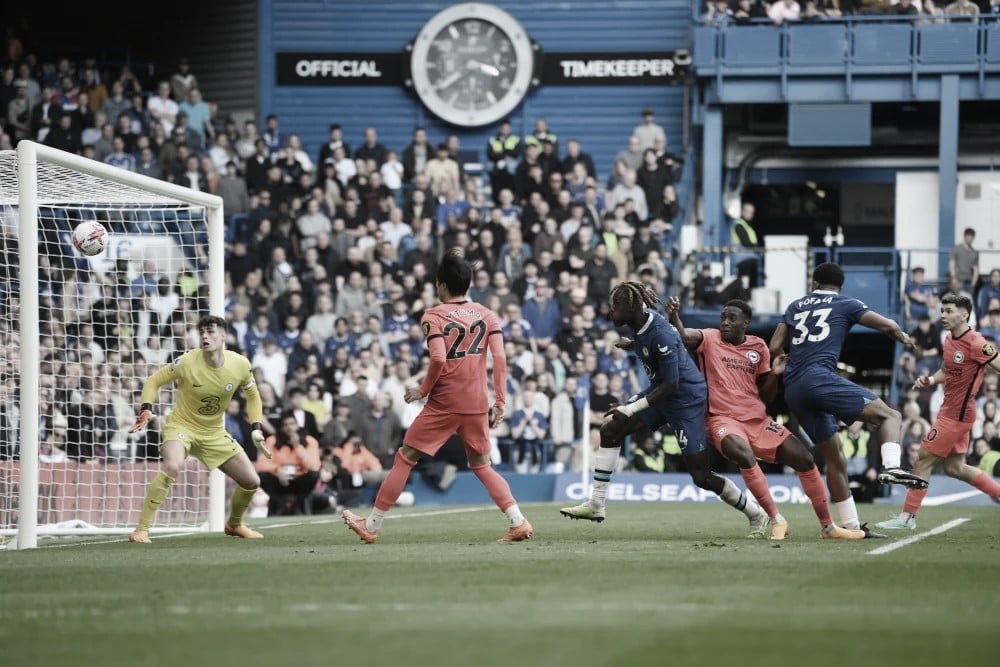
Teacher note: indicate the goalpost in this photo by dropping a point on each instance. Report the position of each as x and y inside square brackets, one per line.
[79, 335]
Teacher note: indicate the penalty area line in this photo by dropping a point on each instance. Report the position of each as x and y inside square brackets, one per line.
[916, 538]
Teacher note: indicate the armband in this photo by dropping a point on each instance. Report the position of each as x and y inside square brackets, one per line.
[256, 426]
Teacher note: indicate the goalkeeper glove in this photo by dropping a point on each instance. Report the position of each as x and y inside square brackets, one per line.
[257, 435]
[145, 414]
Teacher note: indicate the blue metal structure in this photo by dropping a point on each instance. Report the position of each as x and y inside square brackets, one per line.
[843, 62]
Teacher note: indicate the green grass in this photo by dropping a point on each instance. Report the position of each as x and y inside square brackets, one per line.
[653, 585]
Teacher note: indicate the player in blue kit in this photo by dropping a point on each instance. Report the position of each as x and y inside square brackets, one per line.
[677, 396]
[814, 329]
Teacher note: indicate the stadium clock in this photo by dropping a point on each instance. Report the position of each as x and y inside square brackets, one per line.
[472, 64]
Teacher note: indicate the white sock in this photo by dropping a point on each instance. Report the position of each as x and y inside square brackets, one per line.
[891, 453]
[848, 513]
[604, 465]
[514, 515]
[731, 495]
[777, 518]
[906, 516]
[374, 520]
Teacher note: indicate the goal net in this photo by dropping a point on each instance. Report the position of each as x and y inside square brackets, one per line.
[79, 335]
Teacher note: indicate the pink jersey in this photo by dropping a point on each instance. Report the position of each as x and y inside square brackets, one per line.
[731, 372]
[963, 363]
[456, 379]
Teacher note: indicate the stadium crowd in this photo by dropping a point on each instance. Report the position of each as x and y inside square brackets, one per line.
[330, 259]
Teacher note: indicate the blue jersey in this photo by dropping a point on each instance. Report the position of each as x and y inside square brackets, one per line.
[662, 354]
[818, 323]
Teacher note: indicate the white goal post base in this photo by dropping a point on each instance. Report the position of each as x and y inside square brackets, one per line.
[71, 372]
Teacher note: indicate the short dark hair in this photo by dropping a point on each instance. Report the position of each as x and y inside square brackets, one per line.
[969, 230]
[742, 305]
[455, 272]
[829, 273]
[211, 320]
[959, 301]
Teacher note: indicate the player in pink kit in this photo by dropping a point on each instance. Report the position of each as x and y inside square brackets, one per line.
[966, 355]
[741, 379]
[458, 333]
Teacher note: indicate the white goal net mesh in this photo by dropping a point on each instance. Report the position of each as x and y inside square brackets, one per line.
[106, 323]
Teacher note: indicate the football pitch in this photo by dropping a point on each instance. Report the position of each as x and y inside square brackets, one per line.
[670, 584]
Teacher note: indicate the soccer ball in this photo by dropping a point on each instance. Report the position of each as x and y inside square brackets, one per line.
[90, 237]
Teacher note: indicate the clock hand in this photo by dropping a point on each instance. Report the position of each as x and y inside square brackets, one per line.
[482, 67]
[448, 80]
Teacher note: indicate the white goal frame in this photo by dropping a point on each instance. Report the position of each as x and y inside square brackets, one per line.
[29, 155]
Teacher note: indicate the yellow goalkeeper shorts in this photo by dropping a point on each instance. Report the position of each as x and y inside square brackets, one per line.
[212, 450]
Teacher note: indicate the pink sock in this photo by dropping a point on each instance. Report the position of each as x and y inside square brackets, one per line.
[913, 500]
[986, 484]
[496, 486]
[757, 484]
[394, 484]
[812, 484]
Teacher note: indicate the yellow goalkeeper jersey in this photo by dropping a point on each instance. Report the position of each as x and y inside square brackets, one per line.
[203, 392]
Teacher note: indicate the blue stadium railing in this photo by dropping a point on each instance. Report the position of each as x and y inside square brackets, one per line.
[852, 47]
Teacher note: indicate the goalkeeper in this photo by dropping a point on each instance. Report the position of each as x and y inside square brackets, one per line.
[206, 381]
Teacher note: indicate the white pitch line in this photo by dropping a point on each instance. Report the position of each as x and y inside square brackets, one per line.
[266, 527]
[916, 538]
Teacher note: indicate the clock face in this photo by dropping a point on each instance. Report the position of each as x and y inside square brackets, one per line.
[472, 64]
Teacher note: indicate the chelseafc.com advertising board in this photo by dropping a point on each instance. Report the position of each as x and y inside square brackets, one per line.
[678, 488]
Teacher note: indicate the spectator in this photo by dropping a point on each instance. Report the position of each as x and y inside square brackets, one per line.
[44, 115]
[116, 103]
[863, 461]
[18, 112]
[963, 261]
[784, 10]
[961, 9]
[934, 13]
[717, 13]
[647, 130]
[747, 10]
[904, 8]
[990, 291]
[748, 247]
[542, 312]
[442, 170]
[990, 327]
[529, 432]
[920, 297]
[289, 476]
[273, 136]
[162, 108]
[118, 157]
[574, 156]
[630, 157]
[381, 428]
[371, 149]
[629, 189]
[199, 116]
[360, 463]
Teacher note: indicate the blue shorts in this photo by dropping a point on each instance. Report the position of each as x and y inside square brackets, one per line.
[820, 401]
[688, 423]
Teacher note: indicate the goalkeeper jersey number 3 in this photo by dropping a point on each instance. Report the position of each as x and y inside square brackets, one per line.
[203, 392]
